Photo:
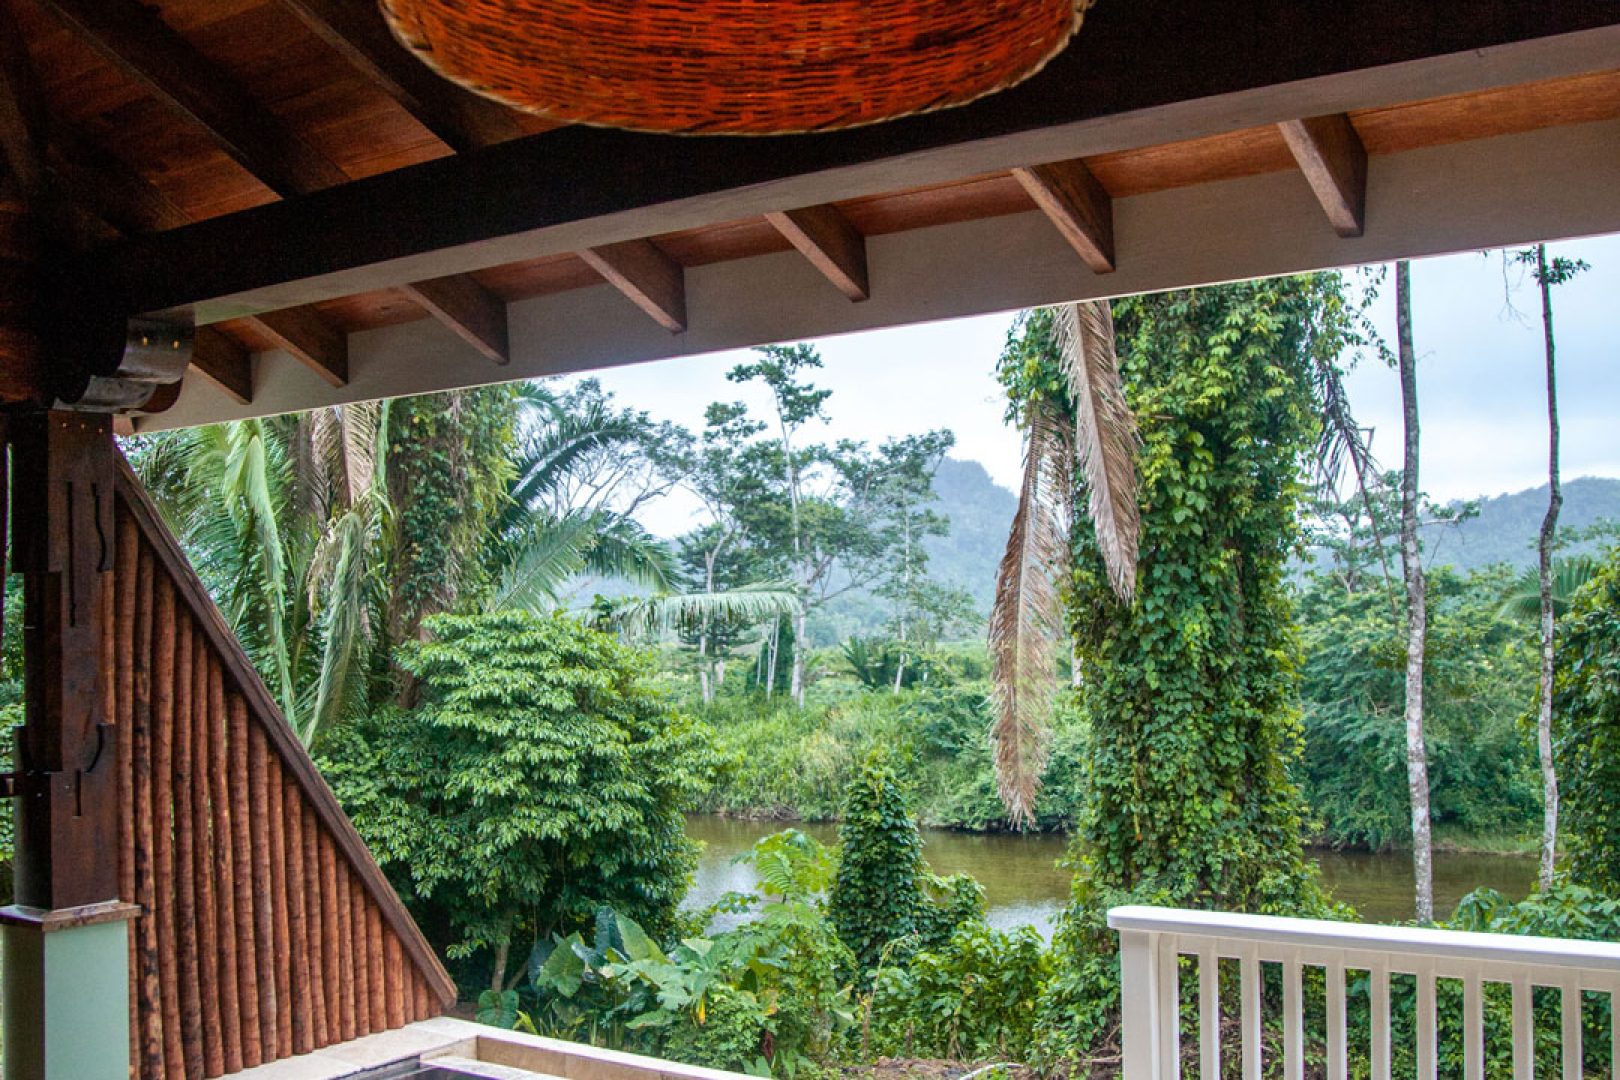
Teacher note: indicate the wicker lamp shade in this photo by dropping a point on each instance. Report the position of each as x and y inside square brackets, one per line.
[734, 66]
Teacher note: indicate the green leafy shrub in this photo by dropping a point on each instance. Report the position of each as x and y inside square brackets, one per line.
[539, 778]
[973, 997]
[877, 894]
[1586, 707]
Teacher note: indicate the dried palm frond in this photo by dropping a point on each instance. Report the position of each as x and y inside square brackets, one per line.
[1027, 617]
[1105, 436]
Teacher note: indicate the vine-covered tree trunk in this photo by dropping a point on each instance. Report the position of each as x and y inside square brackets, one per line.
[1544, 551]
[1417, 758]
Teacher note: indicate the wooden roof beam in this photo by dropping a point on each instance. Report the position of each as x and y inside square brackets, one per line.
[22, 111]
[308, 337]
[224, 362]
[476, 315]
[1334, 161]
[1077, 205]
[138, 41]
[824, 235]
[355, 29]
[652, 280]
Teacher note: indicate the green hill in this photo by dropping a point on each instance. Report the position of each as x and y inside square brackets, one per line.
[1505, 530]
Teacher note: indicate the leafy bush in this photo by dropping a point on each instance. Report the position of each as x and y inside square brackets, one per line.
[1587, 709]
[765, 997]
[877, 894]
[540, 778]
[974, 997]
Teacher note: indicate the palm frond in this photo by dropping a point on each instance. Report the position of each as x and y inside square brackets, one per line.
[1026, 617]
[1521, 600]
[623, 548]
[548, 554]
[1105, 435]
[753, 603]
[343, 620]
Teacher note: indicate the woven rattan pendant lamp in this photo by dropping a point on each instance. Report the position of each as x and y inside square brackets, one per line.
[734, 66]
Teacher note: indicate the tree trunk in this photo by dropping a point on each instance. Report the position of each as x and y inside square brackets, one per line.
[1544, 549]
[497, 978]
[1417, 760]
[798, 656]
[770, 666]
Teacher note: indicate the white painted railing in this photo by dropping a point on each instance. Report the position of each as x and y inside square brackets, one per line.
[1152, 942]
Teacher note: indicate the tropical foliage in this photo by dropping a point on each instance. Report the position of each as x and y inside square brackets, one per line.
[538, 778]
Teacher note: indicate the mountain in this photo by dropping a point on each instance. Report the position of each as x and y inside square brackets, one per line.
[1505, 530]
[980, 512]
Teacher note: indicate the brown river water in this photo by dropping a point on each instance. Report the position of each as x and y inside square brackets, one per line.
[1023, 885]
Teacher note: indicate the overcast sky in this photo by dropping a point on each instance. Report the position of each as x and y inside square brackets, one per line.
[1479, 381]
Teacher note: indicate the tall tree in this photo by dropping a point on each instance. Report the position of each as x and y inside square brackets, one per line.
[1548, 273]
[823, 511]
[1417, 758]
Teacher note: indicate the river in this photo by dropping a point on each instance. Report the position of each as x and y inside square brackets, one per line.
[1023, 885]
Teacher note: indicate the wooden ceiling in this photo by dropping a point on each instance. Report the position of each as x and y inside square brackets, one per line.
[139, 119]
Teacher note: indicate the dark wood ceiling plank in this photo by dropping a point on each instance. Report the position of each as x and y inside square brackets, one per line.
[652, 280]
[823, 235]
[224, 362]
[22, 109]
[307, 336]
[355, 29]
[142, 44]
[1334, 162]
[1078, 206]
[476, 315]
[1091, 98]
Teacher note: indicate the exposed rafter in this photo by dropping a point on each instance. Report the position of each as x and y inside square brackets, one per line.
[824, 235]
[308, 337]
[472, 311]
[1334, 161]
[355, 29]
[142, 44]
[224, 362]
[1078, 206]
[650, 278]
[22, 112]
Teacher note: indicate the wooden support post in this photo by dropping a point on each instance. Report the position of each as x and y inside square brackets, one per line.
[67, 951]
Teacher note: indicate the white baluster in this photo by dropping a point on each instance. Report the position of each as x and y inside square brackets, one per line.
[1249, 1012]
[1378, 975]
[1425, 1023]
[1293, 1020]
[1138, 1005]
[1614, 1034]
[1572, 1028]
[1473, 1029]
[1169, 1010]
[1209, 1014]
[1524, 1029]
[1338, 1064]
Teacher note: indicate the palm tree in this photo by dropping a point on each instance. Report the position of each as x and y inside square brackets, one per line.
[1026, 619]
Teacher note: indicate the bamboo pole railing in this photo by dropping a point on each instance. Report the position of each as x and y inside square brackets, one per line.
[266, 929]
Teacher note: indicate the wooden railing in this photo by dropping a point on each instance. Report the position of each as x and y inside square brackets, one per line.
[1153, 942]
[266, 928]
